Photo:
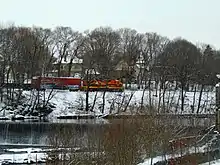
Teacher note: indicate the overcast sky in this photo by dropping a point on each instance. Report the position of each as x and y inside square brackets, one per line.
[195, 20]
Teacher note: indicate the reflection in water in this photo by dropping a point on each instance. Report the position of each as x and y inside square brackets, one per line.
[42, 134]
[15, 134]
[28, 137]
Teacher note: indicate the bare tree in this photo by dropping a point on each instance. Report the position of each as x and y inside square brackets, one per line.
[103, 47]
[101, 50]
[7, 60]
[87, 53]
[64, 38]
[29, 52]
[7, 52]
[181, 58]
[48, 43]
[131, 49]
[152, 45]
[205, 72]
[75, 50]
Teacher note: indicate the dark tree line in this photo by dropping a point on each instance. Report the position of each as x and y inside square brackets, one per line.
[27, 52]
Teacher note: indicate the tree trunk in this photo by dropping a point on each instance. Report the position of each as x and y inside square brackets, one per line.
[87, 91]
[142, 98]
[156, 85]
[94, 102]
[59, 69]
[103, 102]
[177, 105]
[149, 94]
[200, 98]
[149, 88]
[164, 96]
[194, 100]
[70, 67]
[168, 101]
[7, 81]
[182, 97]
[159, 99]
[87, 99]
[126, 106]
[2, 82]
[173, 96]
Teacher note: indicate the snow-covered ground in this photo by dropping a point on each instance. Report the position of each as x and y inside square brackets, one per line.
[36, 155]
[71, 103]
[208, 142]
[162, 158]
[25, 155]
[216, 162]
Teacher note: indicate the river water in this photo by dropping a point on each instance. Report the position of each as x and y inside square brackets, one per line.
[41, 132]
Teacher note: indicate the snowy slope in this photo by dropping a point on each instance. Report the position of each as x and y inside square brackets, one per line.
[209, 141]
[216, 162]
[70, 103]
[201, 149]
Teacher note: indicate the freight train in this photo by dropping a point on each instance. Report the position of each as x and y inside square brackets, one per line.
[75, 84]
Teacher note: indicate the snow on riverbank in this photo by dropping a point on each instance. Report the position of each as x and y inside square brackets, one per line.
[156, 159]
[70, 103]
[208, 142]
[38, 155]
[216, 162]
[26, 155]
[73, 103]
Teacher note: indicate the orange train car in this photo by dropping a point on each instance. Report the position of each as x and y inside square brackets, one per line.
[102, 85]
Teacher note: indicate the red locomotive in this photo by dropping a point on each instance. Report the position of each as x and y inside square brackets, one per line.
[74, 84]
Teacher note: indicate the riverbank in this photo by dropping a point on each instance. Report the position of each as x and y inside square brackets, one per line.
[65, 104]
